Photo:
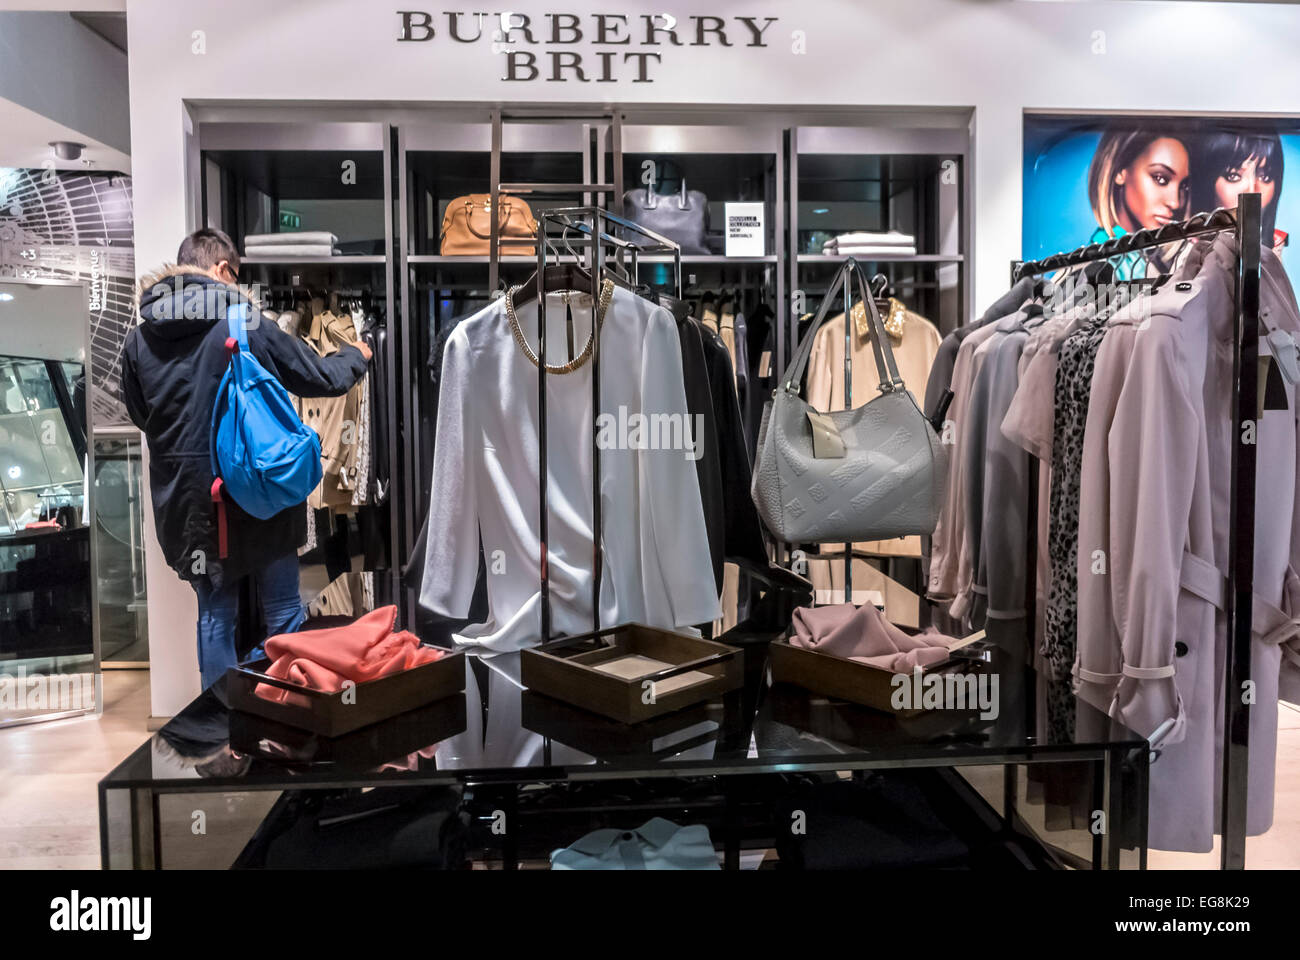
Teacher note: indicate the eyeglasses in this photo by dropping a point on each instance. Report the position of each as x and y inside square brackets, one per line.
[233, 271]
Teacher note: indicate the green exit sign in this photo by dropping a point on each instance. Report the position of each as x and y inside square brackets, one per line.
[290, 220]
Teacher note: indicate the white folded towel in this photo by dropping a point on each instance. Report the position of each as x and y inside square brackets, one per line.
[291, 250]
[868, 252]
[304, 236]
[885, 238]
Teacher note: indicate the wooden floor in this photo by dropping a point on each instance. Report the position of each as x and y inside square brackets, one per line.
[49, 815]
[49, 807]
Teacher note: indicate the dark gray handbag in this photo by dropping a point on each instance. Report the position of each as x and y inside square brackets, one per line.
[682, 217]
[871, 473]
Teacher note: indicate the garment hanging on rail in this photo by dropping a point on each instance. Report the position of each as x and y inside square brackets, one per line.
[997, 473]
[485, 483]
[742, 530]
[337, 420]
[1152, 632]
[946, 543]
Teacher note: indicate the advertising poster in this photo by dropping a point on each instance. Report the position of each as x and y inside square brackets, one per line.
[1088, 178]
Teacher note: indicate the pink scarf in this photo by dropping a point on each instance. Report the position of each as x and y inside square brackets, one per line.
[864, 635]
[365, 649]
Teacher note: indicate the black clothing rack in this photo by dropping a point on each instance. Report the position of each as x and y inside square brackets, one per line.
[1246, 222]
[600, 229]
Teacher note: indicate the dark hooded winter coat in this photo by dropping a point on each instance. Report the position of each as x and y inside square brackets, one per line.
[172, 364]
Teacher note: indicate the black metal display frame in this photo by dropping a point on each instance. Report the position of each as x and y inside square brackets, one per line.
[591, 221]
[1246, 222]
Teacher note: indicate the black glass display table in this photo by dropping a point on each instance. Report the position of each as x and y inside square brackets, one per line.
[179, 798]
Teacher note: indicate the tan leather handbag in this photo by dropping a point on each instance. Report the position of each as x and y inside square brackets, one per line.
[467, 226]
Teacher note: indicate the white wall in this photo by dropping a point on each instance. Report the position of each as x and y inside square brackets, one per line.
[998, 56]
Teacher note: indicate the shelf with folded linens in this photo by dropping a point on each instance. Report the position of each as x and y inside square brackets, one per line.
[334, 261]
[317, 188]
[866, 257]
[703, 259]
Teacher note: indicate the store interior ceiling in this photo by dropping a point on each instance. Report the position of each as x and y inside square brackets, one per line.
[28, 135]
[35, 114]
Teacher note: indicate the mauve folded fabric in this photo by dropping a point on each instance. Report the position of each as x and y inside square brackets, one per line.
[864, 635]
[363, 650]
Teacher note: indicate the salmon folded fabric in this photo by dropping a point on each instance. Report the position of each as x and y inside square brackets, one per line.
[864, 635]
[363, 650]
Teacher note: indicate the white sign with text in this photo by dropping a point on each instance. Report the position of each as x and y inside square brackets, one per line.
[745, 234]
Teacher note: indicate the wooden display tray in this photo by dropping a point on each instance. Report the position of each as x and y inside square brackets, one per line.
[328, 714]
[849, 680]
[607, 672]
[607, 739]
[368, 747]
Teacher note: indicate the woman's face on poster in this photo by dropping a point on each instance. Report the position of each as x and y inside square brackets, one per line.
[1251, 176]
[1154, 185]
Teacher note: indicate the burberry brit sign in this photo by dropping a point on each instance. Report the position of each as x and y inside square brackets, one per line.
[573, 48]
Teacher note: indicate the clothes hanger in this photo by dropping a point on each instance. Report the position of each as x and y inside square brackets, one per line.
[680, 309]
[569, 275]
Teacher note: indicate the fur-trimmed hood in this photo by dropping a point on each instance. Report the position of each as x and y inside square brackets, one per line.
[179, 300]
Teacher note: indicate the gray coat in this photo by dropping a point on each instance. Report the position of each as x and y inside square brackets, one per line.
[1153, 540]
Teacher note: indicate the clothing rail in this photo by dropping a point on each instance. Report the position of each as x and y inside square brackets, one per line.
[601, 229]
[1245, 220]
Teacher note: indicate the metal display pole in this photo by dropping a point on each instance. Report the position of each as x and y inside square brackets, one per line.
[848, 405]
[1238, 600]
[542, 526]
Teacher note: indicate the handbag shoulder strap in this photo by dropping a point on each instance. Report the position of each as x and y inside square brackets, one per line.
[884, 354]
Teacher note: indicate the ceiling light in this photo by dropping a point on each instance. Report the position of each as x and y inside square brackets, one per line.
[67, 149]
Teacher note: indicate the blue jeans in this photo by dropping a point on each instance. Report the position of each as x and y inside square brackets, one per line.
[282, 610]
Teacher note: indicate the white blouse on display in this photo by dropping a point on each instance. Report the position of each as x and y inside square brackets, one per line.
[656, 554]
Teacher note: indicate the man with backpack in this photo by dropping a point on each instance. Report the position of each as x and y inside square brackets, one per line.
[172, 366]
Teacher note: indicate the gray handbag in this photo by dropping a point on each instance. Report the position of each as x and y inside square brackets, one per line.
[871, 473]
[682, 218]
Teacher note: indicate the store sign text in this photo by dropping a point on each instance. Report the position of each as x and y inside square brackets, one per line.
[542, 48]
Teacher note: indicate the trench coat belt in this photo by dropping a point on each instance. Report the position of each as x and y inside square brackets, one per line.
[1268, 621]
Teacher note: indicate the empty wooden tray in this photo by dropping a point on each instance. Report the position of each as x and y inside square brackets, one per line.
[632, 672]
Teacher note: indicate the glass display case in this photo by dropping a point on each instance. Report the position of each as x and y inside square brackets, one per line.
[119, 545]
[49, 649]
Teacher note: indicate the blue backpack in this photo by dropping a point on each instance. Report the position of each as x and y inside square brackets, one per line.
[266, 457]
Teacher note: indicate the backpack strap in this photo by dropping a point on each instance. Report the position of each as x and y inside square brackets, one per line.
[223, 534]
[237, 324]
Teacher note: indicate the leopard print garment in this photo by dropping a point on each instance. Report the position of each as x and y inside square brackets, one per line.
[1077, 358]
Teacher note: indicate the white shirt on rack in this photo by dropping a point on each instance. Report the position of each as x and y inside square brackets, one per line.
[657, 569]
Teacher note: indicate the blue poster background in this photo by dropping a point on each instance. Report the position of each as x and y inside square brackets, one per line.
[1058, 212]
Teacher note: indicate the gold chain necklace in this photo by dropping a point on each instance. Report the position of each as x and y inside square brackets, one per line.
[606, 293]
